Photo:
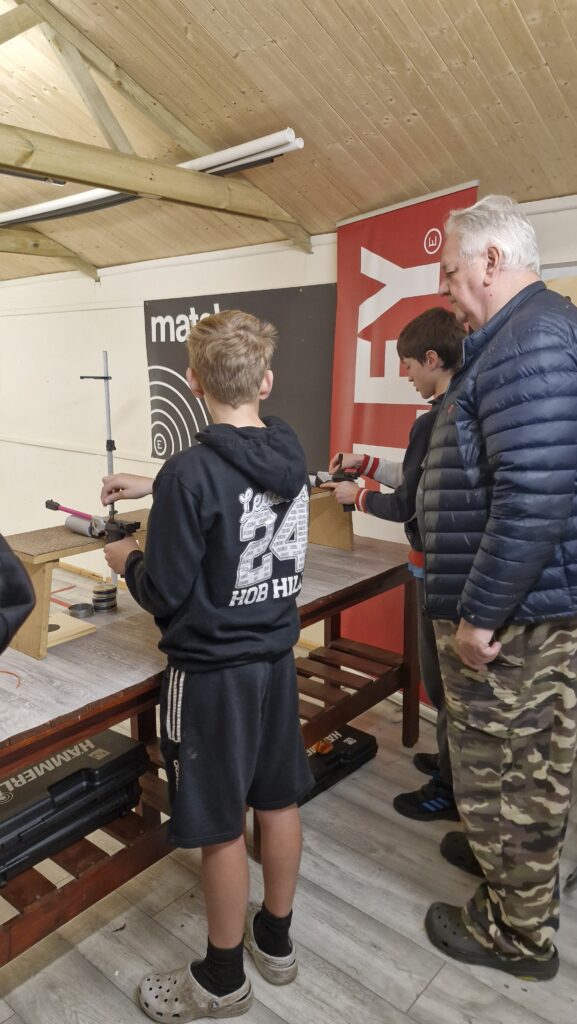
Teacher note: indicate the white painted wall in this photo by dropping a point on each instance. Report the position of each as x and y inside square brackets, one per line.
[555, 223]
[54, 328]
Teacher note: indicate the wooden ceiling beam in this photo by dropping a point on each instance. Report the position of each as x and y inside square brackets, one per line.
[48, 156]
[119, 79]
[150, 106]
[29, 242]
[80, 76]
[14, 23]
[297, 235]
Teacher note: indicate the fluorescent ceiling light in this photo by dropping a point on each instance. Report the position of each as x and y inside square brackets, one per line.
[235, 158]
[32, 177]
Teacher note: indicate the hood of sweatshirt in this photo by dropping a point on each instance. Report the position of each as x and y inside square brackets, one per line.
[271, 456]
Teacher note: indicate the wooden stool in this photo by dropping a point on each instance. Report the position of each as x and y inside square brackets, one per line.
[40, 551]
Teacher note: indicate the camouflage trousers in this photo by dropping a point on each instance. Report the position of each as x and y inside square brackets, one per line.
[512, 739]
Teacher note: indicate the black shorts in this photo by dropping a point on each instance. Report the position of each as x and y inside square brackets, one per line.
[231, 738]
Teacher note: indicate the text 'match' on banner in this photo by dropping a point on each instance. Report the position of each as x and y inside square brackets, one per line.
[388, 267]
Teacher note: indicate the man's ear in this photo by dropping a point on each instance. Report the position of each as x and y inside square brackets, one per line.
[493, 262]
[193, 384]
[266, 386]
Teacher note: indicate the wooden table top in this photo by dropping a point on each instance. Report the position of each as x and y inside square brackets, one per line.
[56, 542]
[331, 572]
[123, 651]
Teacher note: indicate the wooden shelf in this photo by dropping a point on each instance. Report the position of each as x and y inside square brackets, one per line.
[340, 681]
[41, 906]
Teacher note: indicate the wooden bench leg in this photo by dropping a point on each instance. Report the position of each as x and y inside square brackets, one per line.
[256, 837]
[32, 637]
[143, 727]
[411, 670]
[332, 628]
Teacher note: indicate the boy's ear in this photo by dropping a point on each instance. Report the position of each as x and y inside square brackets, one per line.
[432, 359]
[193, 384]
[266, 386]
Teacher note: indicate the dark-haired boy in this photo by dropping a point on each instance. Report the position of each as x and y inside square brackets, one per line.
[430, 349]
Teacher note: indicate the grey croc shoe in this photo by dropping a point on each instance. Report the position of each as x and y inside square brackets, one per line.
[177, 997]
[277, 970]
[447, 931]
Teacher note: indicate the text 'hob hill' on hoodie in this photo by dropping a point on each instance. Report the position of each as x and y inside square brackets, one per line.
[226, 545]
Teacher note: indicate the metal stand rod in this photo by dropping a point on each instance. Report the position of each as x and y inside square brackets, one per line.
[110, 445]
[109, 442]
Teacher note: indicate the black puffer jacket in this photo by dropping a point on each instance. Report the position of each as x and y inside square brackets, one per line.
[16, 594]
[499, 487]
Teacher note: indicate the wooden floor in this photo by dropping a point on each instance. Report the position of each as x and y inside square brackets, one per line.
[367, 879]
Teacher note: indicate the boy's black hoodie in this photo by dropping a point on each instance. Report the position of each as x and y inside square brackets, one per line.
[225, 548]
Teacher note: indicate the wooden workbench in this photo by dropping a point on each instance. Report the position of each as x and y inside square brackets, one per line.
[115, 674]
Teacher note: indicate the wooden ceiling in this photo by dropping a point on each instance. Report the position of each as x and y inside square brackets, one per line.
[394, 98]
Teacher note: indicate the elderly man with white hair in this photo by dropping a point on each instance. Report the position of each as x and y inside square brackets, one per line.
[499, 523]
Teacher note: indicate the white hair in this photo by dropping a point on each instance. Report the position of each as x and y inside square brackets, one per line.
[498, 221]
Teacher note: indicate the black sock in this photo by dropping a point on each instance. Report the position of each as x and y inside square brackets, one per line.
[222, 970]
[272, 933]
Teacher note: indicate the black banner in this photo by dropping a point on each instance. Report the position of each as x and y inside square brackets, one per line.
[302, 365]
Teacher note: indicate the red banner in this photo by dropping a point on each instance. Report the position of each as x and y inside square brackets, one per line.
[387, 273]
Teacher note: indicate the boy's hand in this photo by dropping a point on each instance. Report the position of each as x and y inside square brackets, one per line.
[475, 647]
[117, 553]
[342, 461]
[124, 485]
[345, 493]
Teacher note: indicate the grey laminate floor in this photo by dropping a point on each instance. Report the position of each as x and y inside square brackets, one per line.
[367, 879]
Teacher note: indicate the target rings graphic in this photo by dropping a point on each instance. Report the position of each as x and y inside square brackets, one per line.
[176, 414]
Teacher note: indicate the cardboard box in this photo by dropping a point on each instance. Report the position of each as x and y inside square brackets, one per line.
[329, 524]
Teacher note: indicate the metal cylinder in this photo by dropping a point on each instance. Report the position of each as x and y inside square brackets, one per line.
[87, 527]
[81, 611]
[104, 597]
[78, 525]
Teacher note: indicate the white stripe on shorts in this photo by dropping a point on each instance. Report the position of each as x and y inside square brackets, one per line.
[174, 704]
[180, 691]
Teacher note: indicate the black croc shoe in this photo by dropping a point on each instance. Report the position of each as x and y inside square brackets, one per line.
[430, 803]
[455, 848]
[446, 930]
[428, 764]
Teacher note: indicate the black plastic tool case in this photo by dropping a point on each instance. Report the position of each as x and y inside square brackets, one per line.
[349, 749]
[52, 803]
